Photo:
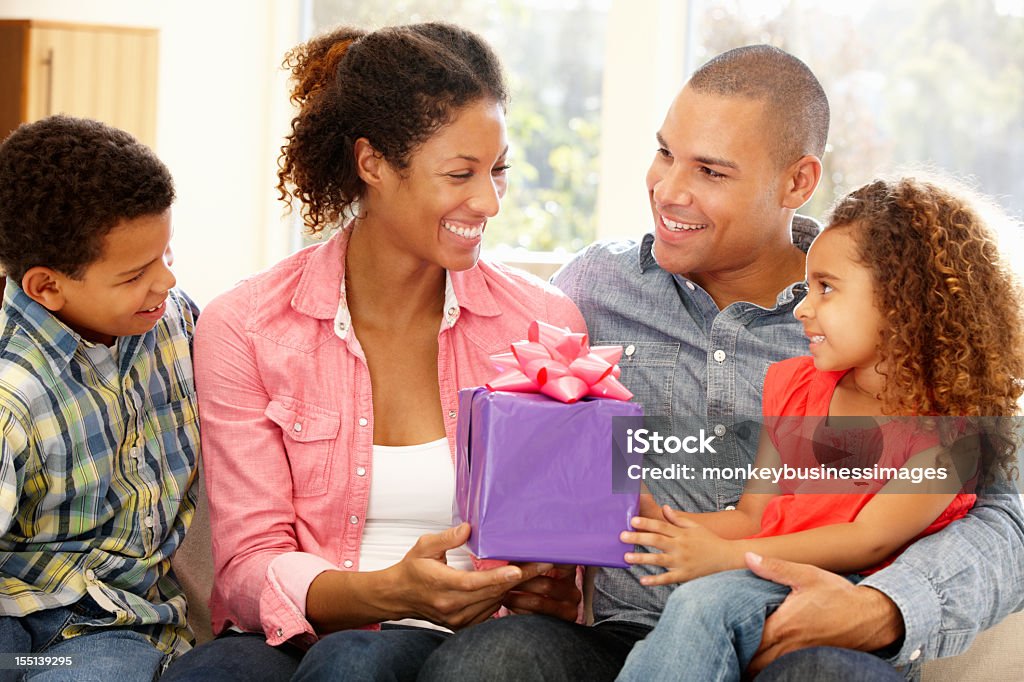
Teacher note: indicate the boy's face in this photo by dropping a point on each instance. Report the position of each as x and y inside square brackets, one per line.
[124, 291]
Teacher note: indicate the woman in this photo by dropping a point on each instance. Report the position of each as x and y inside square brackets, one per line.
[328, 383]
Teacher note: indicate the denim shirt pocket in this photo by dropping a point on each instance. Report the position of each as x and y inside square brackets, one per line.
[649, 371]
[309, 435]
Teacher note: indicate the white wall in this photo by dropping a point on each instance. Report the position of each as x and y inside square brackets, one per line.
[645, 66]
[223, 111]
[221, 116]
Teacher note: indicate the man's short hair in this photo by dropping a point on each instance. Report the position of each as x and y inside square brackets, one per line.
[64, 184]
[794, 99]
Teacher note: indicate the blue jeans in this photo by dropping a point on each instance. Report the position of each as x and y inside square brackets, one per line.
[710, 629]
[394, 653]
[235, 657]
[832, 664]
[99, 656]
[397, 652]
[531, 647]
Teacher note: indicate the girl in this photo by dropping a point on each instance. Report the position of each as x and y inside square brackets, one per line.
[909, 311]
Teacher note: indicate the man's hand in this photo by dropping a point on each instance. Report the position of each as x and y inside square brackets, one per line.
[553, 594]
[824, 609]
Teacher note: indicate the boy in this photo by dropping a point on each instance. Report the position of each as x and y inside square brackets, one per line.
[97, 407]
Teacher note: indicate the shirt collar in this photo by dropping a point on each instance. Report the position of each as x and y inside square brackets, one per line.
[57, 340]
[343, 318]
[321, 290]
[646, 252]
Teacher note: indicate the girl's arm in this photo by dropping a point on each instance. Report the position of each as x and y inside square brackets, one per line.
[731, 524]
[892, 518]
[897, 514]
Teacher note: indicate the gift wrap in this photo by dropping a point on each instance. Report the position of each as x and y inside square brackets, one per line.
[534, 478]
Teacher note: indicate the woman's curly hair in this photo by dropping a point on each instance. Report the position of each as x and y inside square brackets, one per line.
[395, 87]
[953, 339]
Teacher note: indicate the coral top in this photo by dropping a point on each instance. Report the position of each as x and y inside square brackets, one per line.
[795, 390]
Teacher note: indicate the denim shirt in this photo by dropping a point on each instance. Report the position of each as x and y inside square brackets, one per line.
[685, 360]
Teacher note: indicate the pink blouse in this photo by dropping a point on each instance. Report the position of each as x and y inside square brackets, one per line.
[287, 419]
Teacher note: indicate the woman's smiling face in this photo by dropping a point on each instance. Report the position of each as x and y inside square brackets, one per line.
[438, 206]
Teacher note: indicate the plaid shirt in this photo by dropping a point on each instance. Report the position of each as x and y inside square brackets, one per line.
[97, 462]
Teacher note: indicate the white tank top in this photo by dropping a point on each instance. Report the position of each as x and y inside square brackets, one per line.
[412, 488]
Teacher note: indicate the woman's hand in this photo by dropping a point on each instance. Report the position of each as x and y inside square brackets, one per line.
[433, 591]
[687, 550]
[553, 593]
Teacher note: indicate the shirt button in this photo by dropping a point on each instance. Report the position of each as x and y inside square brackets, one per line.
[297, 427]
[630, 349]
[719, 430]
[134, 453]
[690, 285]
[452, 414]
[915, 654]
[363, 421]
[279, 632]
[731, 507]
[148, 521]
[360, 471]
[719, 356]
[353, 519]
[90, 574]
[341, 326]
[347, 563]
[452, 311]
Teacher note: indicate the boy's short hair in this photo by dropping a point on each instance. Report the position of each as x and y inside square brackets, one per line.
[64, 184]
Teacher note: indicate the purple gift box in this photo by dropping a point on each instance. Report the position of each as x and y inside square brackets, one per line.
[534, 478]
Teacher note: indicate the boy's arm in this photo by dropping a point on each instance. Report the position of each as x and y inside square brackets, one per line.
[13, 445]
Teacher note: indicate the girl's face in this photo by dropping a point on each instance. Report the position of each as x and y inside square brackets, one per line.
[437, 208]
[839, 314]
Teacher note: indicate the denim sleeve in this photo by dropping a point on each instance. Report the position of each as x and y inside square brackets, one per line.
[568, 276]
[952, 585]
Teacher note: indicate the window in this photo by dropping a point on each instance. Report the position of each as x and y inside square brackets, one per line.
[935, 83]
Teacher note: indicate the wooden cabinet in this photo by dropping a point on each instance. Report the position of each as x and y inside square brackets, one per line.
[103, 72]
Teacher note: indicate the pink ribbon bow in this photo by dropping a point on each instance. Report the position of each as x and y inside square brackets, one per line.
[560, 364]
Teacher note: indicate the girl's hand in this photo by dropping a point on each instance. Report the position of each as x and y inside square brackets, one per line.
[429, 589]
[687, 550]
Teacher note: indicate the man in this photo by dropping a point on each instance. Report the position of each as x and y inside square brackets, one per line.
[702, 306]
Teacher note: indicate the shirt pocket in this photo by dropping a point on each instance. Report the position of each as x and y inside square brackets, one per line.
[309, 435]
[176, 426]
[649, 371]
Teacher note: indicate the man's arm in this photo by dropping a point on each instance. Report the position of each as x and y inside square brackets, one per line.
[937, 596]
[952, 585]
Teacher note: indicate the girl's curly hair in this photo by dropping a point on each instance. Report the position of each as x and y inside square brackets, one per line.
[953, 340]
[395, 87]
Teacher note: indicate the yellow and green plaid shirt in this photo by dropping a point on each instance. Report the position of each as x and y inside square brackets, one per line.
[99, 454]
